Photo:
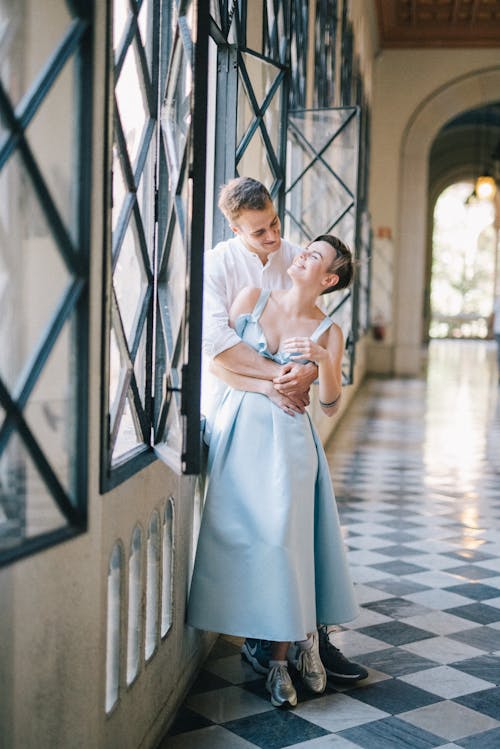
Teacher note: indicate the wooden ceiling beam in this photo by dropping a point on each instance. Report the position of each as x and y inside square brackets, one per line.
[437, 23]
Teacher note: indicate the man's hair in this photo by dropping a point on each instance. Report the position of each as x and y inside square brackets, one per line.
[243, 194]
[342, 264]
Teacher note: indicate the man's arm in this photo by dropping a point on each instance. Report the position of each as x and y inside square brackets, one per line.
[256, 385]
[222, 344]
[244, 360]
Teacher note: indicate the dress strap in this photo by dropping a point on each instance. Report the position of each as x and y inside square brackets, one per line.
[261, 303]
[325, 323]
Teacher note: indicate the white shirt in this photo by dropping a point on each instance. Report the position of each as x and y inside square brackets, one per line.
[229, 267]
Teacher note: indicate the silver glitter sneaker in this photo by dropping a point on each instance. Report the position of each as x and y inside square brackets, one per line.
[280, 687]
[308, 664]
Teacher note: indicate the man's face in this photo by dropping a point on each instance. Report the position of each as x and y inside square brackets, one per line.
[260, 231]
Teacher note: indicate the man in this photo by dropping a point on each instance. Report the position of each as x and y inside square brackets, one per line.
[258, 256]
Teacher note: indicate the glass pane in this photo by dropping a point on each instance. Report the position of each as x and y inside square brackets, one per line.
[342, 157]
[321, 198]
[167, 567]
[165, 198]
[29, 32]
[166, 359]
[245, 111]
[140, 367]
[121, 14]
[276, 41]
[145, 20]
[215, 12]
[129, 281]
[173, 429]
[26, 507]
[188, 14]
[120, 189]
[134, 605]
[152, 571]
[131, 101]
[129, 434]
[172, 291]
[51, 407]
[176, 110]
[319, 127]
[146, 196]
[254, 162]
[345, 228]
[113, 627]
[117, 371]
[33, 276]
[272, 120]
[52, 135]
[262, 76]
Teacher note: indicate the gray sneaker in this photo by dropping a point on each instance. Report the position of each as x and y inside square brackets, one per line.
[280, 687]
[309, 665]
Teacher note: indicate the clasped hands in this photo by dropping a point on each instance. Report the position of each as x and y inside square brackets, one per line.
[294, 380]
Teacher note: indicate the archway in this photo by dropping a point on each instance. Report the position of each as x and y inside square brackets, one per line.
[462, 272]
[467, 92]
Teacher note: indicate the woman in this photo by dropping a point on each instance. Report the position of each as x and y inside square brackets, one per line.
[270, 562]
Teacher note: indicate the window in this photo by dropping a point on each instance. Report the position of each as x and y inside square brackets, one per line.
[155, 236]
[250, 108]
[167, 577]
[45, 157]
[152, 586]
[113, 626]
[134, 604]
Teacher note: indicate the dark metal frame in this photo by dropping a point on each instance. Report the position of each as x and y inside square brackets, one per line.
[76, 43]
[228, 31]
[179, 201]
[299, 37]
[325, 52]
[142, 455]
[347, 42]
[353, 112]
[184, 207]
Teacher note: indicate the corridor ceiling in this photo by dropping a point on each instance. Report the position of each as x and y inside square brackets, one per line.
[438, 23]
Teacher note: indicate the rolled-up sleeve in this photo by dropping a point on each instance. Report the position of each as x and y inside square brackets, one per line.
[218, 335]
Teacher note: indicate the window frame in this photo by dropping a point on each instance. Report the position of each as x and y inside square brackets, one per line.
[77, 43]
[188, 462]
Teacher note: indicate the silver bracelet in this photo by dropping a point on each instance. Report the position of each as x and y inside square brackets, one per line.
[332, 403]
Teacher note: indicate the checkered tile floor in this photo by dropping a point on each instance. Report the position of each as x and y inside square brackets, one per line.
[416, 467]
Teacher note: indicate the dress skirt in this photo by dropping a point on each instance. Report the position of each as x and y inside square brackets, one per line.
[270, 561]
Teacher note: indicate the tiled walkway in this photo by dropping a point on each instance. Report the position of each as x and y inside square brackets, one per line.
[416, 468]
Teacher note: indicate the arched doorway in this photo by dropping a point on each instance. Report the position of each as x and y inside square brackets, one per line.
[462, 273]
[467, 92]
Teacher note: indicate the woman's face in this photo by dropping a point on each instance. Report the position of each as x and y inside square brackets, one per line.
[313, 263]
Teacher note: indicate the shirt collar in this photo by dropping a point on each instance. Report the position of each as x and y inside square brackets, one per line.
[270, 257]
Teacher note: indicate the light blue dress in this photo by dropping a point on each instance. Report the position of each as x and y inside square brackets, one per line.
[270, 561]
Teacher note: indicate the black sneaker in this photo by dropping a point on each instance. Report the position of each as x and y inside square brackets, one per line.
[336, 664]
[257, 654]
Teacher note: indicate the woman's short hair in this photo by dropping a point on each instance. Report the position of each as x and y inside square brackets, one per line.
[243, 194]
[342, 264]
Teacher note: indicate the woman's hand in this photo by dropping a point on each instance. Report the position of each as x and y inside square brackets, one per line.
[286, 404]
[304, 348]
